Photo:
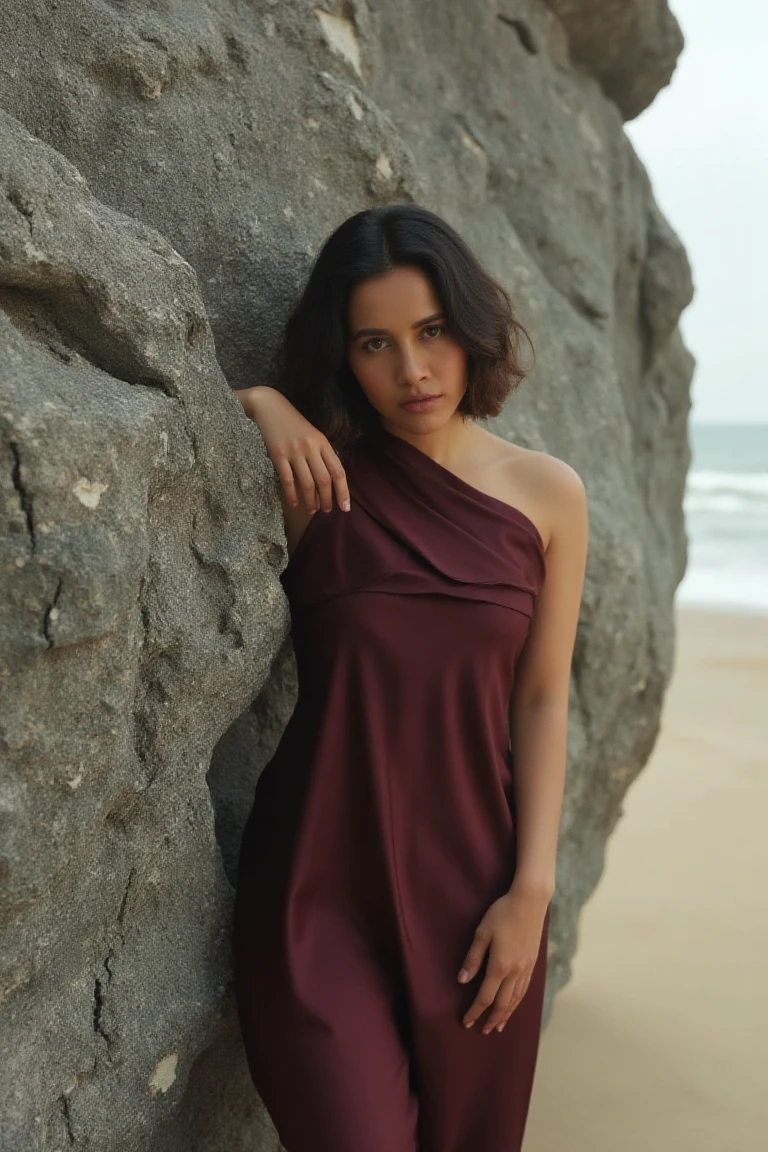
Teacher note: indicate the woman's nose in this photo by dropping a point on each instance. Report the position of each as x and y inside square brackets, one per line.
[412, 366]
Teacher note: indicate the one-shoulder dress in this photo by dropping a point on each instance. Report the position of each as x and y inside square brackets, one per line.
[383, 826]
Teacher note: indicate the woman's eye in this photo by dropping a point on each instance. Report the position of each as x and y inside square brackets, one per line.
[436, 328]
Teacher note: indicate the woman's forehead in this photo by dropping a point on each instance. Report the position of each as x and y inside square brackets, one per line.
[398, 298]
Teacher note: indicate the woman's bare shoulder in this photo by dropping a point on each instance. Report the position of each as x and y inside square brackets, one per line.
[541, 485]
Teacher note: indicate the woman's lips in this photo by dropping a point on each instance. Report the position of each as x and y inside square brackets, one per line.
[420, 405]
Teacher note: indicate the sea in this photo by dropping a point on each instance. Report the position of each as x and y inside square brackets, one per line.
[726, 516]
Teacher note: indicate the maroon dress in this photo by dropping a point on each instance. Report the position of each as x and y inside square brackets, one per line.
[383, 826]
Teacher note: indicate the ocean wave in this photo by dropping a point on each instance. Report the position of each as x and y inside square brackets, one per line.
[734, 588]
[726, 514]
[726, 503]
[749, 484]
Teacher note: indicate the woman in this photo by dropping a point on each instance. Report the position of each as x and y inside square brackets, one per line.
[398, 863]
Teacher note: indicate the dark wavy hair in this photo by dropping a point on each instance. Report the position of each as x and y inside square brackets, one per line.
[310, 367]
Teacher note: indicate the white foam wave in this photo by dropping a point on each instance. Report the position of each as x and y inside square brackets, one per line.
[719, 502]
[741, 483]
[735, 589]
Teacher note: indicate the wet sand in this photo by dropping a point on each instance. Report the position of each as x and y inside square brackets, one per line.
[660, 1041]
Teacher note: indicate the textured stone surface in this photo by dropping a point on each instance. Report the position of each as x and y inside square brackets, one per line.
[141, 529]
[630, 46]
[140, 612]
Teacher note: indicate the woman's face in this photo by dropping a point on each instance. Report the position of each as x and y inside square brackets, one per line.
[399, 348]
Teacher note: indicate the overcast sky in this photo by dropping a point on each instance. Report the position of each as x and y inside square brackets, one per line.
[704, 142]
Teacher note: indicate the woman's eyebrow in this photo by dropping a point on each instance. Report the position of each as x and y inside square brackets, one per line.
[383, 331]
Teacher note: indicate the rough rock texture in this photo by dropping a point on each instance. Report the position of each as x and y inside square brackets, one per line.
[630, 46]
[141, 615]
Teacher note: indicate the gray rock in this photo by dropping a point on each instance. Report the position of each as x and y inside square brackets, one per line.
[147, 672]
[141, 542]
[630, 46]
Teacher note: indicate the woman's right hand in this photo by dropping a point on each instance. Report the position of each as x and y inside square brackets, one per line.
[301, 453]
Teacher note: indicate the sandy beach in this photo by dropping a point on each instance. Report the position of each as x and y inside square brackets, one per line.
[660, 1041]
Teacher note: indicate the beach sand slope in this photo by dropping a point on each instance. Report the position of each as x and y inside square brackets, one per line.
[660, 1041]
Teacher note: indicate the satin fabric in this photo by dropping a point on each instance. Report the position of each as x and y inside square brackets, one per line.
[383, 826]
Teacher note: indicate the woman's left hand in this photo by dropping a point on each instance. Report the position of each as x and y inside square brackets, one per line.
[512, 927]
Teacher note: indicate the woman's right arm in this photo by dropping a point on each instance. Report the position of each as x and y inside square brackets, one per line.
[302, 455]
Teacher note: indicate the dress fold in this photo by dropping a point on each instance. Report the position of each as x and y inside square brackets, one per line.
[415, 526]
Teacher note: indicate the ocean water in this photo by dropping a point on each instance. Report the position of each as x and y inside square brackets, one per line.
[726, 516]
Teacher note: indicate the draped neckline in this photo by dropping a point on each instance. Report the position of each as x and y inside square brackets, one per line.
[413, 456]
[415, 527]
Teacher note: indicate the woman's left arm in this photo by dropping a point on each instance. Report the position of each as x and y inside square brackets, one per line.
[511, 929]
[538, 710]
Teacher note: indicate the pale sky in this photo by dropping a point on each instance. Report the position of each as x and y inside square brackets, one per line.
[704, 142]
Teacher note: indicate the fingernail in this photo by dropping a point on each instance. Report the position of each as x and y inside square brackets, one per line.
[468, 1024]
[500, 1027]
[463, 975]
[346, 505]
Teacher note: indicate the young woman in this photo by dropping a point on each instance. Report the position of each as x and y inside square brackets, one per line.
[398, 863]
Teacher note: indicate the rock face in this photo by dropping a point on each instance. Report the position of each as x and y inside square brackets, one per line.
[139, 617]
[146, 667]
[630, 46]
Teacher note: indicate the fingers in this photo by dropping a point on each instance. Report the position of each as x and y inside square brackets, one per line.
[511, 961]
[285, 476]
[474, 957]
[483, 1000]
[501, 991]
[506, 1001]
[306, 483]
[338, 476]
[313, 467]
